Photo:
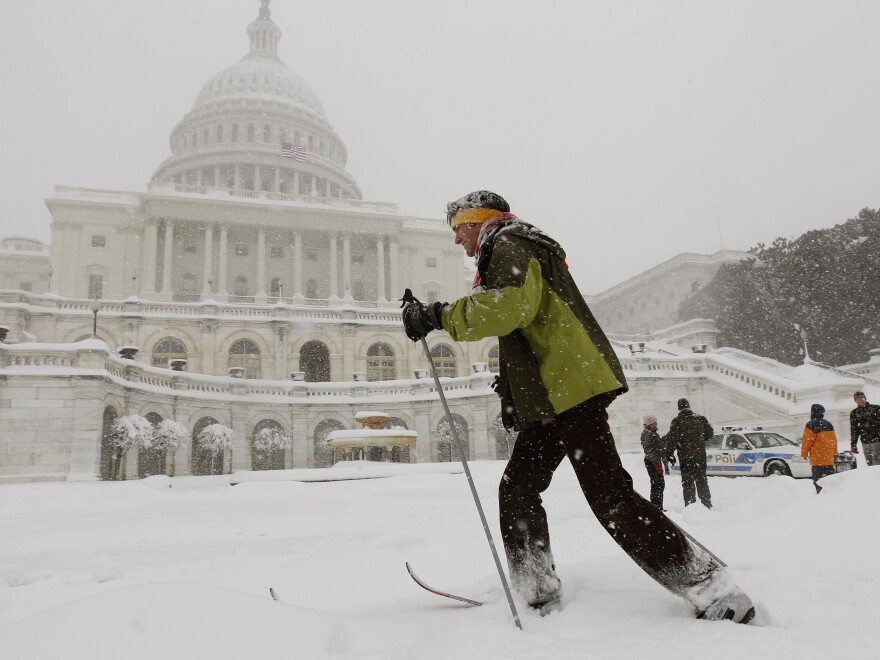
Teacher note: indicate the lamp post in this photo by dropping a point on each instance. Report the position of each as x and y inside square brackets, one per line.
[49, 285]
[807, 359]
[210, 286]
[95, 307]
[134, 277]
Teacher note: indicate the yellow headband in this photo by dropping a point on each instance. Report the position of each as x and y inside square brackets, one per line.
[472, 217]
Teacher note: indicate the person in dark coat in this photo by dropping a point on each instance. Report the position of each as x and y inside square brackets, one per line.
[655, 456]
[687, 435]
[558, 375]
[864, 425]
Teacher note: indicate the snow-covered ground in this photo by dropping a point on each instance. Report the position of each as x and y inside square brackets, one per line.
[140, 570]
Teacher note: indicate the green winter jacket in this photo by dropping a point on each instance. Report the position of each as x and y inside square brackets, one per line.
[552, 352]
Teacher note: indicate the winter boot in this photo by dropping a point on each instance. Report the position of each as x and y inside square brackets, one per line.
[717, 598]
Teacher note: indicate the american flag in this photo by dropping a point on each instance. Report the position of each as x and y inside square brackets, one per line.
[293, 151]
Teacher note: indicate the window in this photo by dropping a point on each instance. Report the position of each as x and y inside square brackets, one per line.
[276, 287]
[357, 258]
[96, 286]
[267, 133]
[311, 254]
[714, 442]
[219, 133]
[188, 283]
[234, 131]
[244, 353]
[430, 262]
[277, 252]
[241, 249]
[282, 135]
[311, 289]
[189, 246]
[99, 241]
[357, 291]
[250, 133]
[167, 349]
[205, 136]
[493, 361]
[380, 362]
[25, 286]
[444, 360]
[241, 286]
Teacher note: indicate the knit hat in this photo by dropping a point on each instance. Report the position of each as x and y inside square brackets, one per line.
[683, 403]
[817, 410]
[647, 420]
[859, 395]
[475, 208]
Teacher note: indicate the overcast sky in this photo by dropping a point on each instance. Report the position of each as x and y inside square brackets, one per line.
[630, 131]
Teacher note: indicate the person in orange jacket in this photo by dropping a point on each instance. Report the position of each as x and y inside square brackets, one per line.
[820, 444]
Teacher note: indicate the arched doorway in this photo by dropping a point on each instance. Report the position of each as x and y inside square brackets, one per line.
[201, 458]
[446, 449]
[272, 458]
[151, 461]
[504, 439]
[325, 456]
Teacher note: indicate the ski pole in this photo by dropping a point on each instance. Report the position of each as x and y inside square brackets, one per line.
[407, 298]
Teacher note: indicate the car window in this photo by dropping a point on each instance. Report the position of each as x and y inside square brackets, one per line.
[763, 440]
[714, 442]
[733, 441]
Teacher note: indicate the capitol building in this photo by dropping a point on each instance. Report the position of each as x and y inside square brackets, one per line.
[252, 285]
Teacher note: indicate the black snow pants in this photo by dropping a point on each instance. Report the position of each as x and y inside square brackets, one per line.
[582, 433]
[658, 483]
[694, 481]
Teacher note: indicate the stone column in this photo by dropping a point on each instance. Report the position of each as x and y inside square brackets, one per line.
[394, 264]
[346, 266]
[480, 444]
[297, 264]
[208, 347]
[222, 293]
[303, 451]
[151, 245]
[334, 281]
[261, 296]
[422, 423]
[208, 262]
[380, 269]
[348, 356]
[167, 287]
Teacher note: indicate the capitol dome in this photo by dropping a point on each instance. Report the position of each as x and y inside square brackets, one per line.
[258, 126]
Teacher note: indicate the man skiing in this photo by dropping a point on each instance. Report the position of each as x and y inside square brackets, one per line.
[558, 374]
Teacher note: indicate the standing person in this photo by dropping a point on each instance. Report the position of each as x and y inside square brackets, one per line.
[655, 456]
[687, 435]
[558, 374]
[820, 444]
[864, 423]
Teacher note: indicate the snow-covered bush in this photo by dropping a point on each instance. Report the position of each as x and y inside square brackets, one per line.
[131, 432]
[170, 435]
[216, 439]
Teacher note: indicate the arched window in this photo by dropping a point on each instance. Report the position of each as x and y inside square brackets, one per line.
[219, 133]
[151, 461]
[446, 447]
[380, 362]
[202, 460]
[234, 136]
[244, 353]
[166, 349]
[314, 361]
[444, 360]
[311, 289]
[494, 364]
[250, 133]
[267, 133]
[326, 456]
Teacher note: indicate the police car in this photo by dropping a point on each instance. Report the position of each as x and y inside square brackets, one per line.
[750, 451]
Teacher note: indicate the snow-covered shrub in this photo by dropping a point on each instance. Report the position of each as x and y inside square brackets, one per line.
[131, 432]
[170, 435]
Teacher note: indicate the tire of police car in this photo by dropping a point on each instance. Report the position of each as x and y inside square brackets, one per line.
[777, 468]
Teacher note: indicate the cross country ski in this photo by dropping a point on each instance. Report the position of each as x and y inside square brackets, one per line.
[426, 587]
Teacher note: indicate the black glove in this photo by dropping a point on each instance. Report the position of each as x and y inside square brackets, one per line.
[419, 319]
[496, 385]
